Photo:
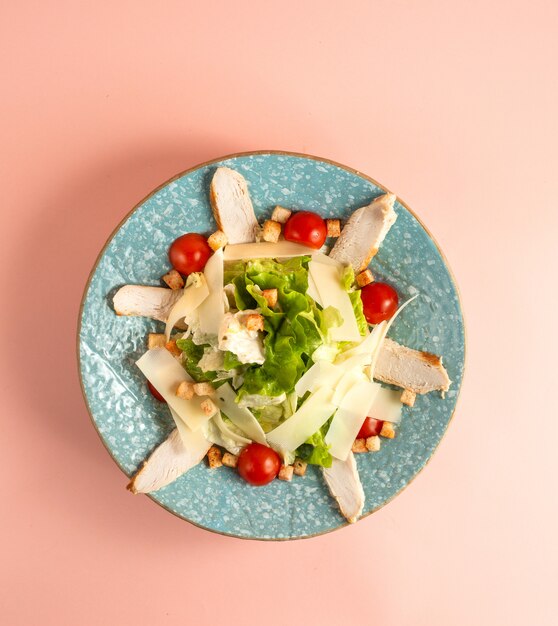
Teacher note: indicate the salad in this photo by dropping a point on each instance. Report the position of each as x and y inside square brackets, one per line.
[275, 346]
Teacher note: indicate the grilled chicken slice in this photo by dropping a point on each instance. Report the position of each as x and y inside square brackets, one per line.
[169, 460]
[155, 302]
[364, 232]
[417, 371]
[344, 485]
[232, 207]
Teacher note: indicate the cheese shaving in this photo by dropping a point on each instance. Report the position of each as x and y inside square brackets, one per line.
[195, 292]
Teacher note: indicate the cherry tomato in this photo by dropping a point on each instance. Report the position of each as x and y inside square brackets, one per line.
[189, 253]
[380, 302]
[370, 428]
[155, 393]
[258, 464]
[306, 228]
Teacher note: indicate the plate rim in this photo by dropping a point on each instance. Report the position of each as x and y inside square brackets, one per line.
[189, 170]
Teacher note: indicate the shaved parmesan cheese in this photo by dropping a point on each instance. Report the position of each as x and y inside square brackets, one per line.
[212, 309]
[265, 250]
[239, 416]
[351, 378]
[386, 406]
[194, 440]
[366, 347]
[349, 418]
[165, 373]
[195, 293]
[313, 291]
[309, 418]
[327, 279]
[321, 374]
[320, 257]
[228, 432]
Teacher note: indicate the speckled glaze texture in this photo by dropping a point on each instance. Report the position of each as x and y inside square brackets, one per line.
[131, 423]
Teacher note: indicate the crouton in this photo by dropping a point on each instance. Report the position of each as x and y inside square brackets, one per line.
[333, 228]
[255, 321]
[373, 444]
[156, 340]
[359, 445]
[408, 397]
[230, 460]
[271, 297]
[364, 278]
[208, 407]
[286, 472]
[173, 279]
[217, 240]
[173, 348]
[203, 389]
[271, 231]
[185, 390]
[388, 430]
[281, 214]
[214, 456]
[299, 467]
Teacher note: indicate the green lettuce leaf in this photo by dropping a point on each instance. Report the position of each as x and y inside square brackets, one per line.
[347, 280]
[314, 450]
[192, 356]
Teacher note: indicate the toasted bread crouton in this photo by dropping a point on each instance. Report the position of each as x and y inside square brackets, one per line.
[217, 240]
[286, 473]
[271, 297]
[230, 460]
[156, 340]
[208, 407]
[299, 467]
[203, 389]
[281, 214]
[271, 231]
[333, 228]
[387, 430]
[214, 457]
[173, 279]
[359, 445]
[255, 321]
[408, 397]
[173, 348]
[185, 390]
[373, 444]
[364, 278]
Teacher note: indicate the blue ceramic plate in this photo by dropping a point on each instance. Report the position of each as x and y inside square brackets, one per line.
[131, 423]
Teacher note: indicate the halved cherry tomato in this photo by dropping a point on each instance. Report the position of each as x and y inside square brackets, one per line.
[155, 393]
[306, 228]
[189, 253]
[379, 301]
[258, 464]
[370, 428]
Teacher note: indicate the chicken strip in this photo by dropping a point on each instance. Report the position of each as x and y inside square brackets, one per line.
[169, 460]
[232, 206]
[364, 232]
[417, 371]
[344, 485]
[139, 300]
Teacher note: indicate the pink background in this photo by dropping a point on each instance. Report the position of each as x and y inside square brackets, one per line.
[453, 105]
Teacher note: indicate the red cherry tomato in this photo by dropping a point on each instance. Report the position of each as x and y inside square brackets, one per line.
[189, 253]
[306, 228]
[258, 464]
[380, 302]
[155, 393]
[370, 428]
